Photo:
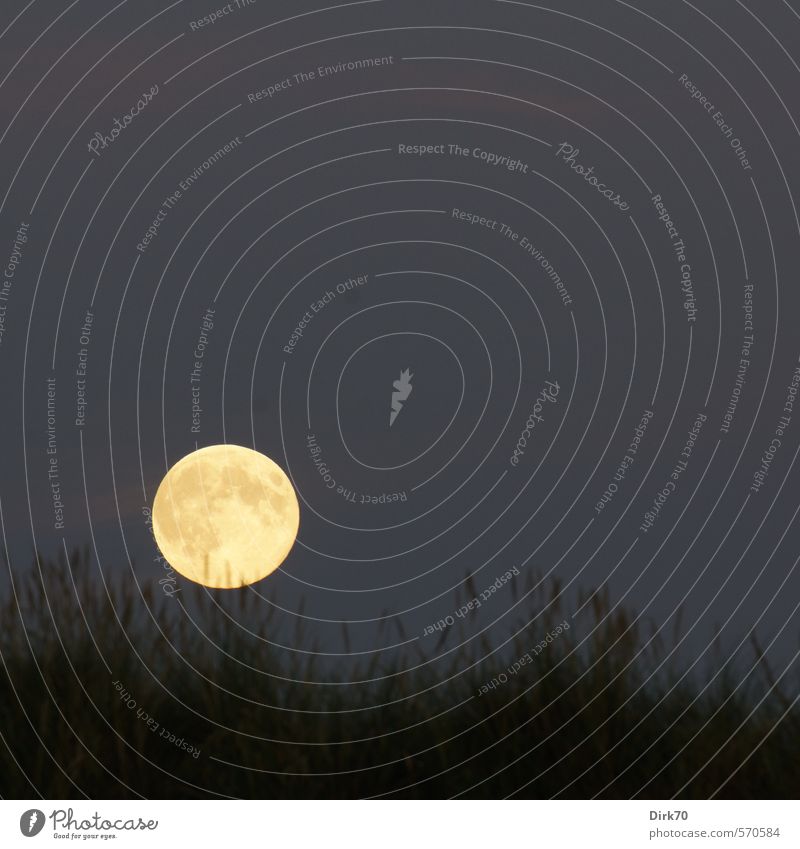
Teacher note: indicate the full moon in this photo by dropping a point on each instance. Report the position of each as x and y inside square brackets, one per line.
[225, 516]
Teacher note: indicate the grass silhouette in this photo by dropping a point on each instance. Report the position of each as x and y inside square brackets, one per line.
[106, 693]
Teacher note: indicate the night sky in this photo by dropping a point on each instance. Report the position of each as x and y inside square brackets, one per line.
[573, 225]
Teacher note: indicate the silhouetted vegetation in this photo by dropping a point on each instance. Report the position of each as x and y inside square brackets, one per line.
[574, 722]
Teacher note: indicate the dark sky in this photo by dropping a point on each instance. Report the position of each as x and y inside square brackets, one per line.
[692, 104]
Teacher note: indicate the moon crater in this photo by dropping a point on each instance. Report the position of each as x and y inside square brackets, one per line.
[225, 516]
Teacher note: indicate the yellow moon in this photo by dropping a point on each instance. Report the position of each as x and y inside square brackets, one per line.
[225, 516]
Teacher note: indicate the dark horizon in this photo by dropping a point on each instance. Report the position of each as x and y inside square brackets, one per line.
[505, 289]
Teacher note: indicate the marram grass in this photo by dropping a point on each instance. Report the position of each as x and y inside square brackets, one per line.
[601, 710]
